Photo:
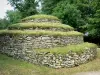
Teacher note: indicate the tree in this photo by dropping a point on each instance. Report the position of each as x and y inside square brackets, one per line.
[48, 6]
[85, 7]
[4, 23]
[26, 7]
[68, 13]
[13, 16]
[94, 27]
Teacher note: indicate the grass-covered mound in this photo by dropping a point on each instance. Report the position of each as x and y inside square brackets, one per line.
[41, 16]
[40, 32]
[40, 25]
[74, 48]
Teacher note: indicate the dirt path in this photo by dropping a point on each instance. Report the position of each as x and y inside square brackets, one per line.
[89, 73]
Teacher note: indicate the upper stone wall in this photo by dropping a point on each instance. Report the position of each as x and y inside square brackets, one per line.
[41, 39]
[41, 22]
[41, 18]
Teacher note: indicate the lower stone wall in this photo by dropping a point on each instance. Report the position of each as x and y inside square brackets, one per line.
[53, 60]
[70, 59]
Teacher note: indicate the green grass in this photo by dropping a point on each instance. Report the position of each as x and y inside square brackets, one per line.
[10, 66]
[40, 32]
[74, 48]
[40, 25]
[40, 16]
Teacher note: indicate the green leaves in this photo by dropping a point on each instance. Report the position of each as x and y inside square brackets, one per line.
[49, 5]
[13, 16]
[4, 23]
[26, 7]
[68, 13]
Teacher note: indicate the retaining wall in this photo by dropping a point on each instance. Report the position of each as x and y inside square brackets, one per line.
[17, 41]
[40, 28]
[42, 20]
[23, 47]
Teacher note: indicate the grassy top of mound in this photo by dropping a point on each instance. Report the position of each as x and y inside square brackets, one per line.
[40, 32]
[41, 16]
[74, 48]
[40, 25]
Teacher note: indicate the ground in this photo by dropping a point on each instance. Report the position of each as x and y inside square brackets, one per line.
[10, 66]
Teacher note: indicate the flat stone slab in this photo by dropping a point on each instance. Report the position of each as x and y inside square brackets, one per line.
[89, 73]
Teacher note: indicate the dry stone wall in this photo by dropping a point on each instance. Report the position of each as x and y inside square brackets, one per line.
[39, 41]
[23, 48]
[40, 28]
[42, 20]
[70, 59]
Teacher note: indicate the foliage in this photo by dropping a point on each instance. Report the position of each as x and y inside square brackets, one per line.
[13, 16]
[68, 13]
[41, 16]
[94, 27]
[85, 6]
[40, 25]
[40, 32]
[48, 6]
[64, 50]
[4, 23]
[26, 7]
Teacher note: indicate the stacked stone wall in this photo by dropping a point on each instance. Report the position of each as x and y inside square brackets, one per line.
[40, 28]
[24, 47]
[42, 20]
[39, 41]
[68, 60]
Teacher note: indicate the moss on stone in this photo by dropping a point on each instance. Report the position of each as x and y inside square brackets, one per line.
[74, 48]
[40, 32]
[41, 16]
[40, 25]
